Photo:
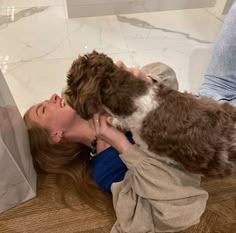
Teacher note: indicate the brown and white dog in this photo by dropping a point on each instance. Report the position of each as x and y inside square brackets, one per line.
[198, 133]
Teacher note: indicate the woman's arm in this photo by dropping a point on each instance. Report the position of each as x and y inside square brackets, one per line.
[154, 73]
[108, 168]
[153, 196]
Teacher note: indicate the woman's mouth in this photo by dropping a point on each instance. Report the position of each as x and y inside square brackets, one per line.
[63, 103]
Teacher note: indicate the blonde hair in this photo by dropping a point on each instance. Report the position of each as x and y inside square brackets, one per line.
[66, 159]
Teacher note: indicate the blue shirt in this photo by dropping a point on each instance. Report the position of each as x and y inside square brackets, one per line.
[108, 167]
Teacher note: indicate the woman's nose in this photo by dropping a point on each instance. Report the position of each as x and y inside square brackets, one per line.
[53, 98]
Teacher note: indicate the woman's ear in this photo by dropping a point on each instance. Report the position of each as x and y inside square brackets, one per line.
[56, 136]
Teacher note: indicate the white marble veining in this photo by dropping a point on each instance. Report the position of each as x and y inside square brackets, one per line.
[38, 43]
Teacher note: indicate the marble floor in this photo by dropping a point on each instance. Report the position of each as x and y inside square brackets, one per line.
[38, 43]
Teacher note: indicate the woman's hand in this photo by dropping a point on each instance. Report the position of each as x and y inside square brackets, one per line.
[101, 124]
[135, 71]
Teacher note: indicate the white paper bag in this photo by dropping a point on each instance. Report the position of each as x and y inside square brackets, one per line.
[17, 174]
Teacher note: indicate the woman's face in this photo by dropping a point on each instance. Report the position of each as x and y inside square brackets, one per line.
[53, 114]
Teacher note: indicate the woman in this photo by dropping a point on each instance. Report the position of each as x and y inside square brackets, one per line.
[60, 142]
[55, 129]
[151, 196]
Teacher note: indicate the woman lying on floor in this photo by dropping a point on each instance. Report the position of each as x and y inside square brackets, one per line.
[148, 195]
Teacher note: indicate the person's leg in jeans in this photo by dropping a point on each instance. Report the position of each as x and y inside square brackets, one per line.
[220, 78]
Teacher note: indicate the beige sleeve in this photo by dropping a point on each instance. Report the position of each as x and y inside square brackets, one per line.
[155, 197]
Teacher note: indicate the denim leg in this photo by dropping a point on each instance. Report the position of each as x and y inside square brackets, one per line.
[220, 78]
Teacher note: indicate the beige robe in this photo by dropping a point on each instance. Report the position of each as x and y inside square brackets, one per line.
[155, 196]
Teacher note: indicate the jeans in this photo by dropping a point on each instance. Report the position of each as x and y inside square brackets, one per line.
[220, 78]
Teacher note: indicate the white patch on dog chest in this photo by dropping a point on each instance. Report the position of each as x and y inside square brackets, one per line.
[145, 104]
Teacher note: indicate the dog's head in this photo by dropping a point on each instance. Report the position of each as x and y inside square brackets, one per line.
[94, 80]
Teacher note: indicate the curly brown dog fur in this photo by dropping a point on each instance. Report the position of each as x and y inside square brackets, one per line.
[198, 133]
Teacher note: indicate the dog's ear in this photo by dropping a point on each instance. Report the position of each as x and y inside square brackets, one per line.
[88, 103]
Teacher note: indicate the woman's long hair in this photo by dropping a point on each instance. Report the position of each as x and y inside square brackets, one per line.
[66, 159]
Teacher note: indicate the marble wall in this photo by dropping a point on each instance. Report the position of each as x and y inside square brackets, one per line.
[85, 8]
